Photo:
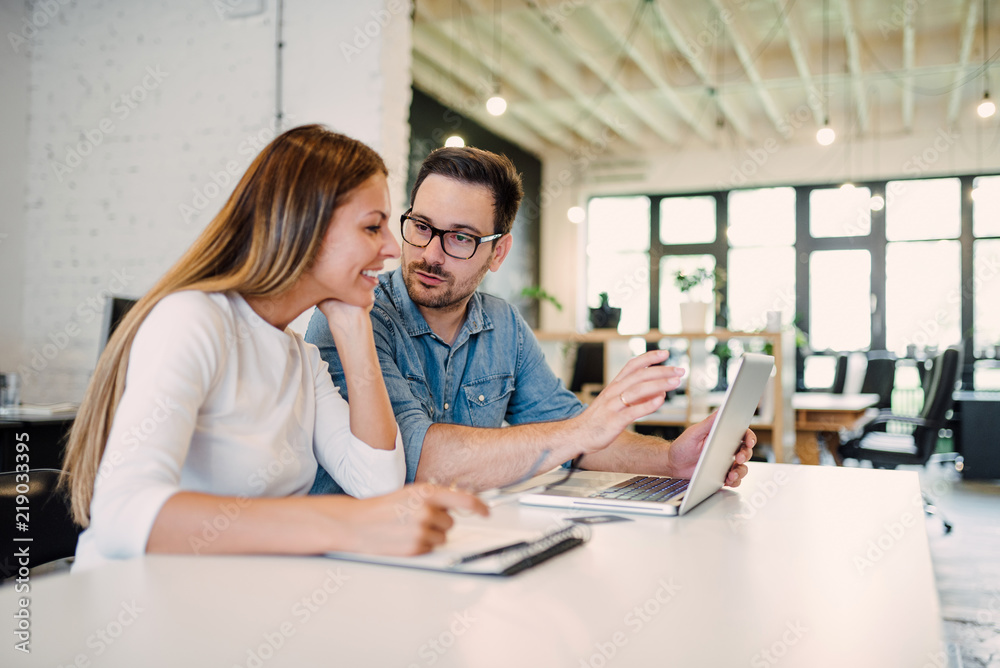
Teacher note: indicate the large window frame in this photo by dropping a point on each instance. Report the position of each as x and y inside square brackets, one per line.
[805, 244]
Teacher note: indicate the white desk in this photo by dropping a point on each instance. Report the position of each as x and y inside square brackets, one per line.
[774, 566]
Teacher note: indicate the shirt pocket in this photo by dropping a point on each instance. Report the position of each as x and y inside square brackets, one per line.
[487, 400]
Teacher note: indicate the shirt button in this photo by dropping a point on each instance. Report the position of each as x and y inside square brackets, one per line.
[482, 398]
[446, 406]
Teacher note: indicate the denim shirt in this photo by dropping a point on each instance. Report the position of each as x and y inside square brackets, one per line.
[493, 371]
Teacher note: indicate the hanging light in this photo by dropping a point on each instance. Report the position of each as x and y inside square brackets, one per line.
[825, 135]
[496, 105]
[986, 108]
[877, 203]
[576, 215]
[454, 141]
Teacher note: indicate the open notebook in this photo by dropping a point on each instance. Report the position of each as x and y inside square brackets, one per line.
[475, 546]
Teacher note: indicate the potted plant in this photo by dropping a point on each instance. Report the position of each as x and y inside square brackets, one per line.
[694, 313]
[539, 294]
[605, 316]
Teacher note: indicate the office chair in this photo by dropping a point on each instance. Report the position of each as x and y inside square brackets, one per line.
[879, 379]
[887, 451]
[840, 375]
[588, 370]
[49, 523]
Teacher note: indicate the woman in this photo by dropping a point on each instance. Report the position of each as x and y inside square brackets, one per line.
[202, 426]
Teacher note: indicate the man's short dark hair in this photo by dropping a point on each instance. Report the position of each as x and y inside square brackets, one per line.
[478, 167]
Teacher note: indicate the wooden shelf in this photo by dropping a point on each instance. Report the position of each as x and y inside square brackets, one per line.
[776, 422]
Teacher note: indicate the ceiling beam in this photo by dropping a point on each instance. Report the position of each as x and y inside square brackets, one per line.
[646, 63]
[733, 117]
[854, 64]
[797, 35]
[434, 49]
[736, 38]
[909, 58]
[531, 23]
[971, 14]
[517, 72]
[428, 78]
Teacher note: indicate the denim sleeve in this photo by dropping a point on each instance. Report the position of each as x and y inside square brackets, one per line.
[411, 415]
[539, 395]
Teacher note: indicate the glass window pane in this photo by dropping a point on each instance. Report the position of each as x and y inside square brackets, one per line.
[840, 300]
[922, 294]
[764, 217]
[617, 224]
[625, 277]
[687, 220]
[670, 296]
[840, 212]
[926, 209]
[986, 293]
[986, 206]
[751, 292]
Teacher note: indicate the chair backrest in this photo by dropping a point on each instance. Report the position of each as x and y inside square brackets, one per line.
[51, 528]
[879, 379]
[589, 366]
[840, 375]
[938, 398]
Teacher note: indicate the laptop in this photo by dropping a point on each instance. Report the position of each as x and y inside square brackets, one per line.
[657, 495]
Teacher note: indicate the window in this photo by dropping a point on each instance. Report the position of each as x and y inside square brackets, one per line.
[986, 291]
[986, 206]
[670, 296]
[922, 294]
[926, 209]
[764, 217]
[618, 258]
[840, 300]
[840, 212]
[761, 233]
[687, 220]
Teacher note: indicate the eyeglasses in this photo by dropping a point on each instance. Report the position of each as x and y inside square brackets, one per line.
[499, 495]
[459, 245]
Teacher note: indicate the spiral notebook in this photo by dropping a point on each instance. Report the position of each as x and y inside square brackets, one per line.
[478, 548]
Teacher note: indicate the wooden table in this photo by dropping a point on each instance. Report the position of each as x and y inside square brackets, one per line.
[825, 413]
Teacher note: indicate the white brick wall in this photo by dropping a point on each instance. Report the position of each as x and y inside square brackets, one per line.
[199, 89]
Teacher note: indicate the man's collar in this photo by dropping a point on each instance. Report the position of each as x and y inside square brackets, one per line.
[476, 319]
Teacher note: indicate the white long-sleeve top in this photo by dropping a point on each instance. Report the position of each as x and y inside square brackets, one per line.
[219, 401]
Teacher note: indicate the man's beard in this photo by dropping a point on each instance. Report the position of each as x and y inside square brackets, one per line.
[454, 296]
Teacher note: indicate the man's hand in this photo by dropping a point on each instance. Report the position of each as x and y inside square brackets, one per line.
[638, 390]
[684, 452]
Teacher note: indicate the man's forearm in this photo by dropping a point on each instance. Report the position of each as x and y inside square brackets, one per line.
[478, 458]
[632, 453]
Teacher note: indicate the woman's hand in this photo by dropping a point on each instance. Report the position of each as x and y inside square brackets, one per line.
[638, 390]
[345, 319]
[410, 521]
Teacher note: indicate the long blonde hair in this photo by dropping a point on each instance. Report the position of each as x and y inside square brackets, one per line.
[266, 236]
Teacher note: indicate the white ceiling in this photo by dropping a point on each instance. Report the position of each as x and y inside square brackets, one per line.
[662, 75]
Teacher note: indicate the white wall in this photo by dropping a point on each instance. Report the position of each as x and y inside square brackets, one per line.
[14, 73]
[931, 151]
[119, 186]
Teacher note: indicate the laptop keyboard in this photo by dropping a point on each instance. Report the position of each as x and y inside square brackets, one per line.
[644, 488]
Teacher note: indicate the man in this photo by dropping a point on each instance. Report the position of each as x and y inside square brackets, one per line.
[457, 362]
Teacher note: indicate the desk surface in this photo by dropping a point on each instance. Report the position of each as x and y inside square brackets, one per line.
[827, 401]
[771, 573]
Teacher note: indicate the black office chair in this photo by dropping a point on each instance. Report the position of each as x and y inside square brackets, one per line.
[49, 522]
[840, 375]
[887, 451]
[879, 379]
